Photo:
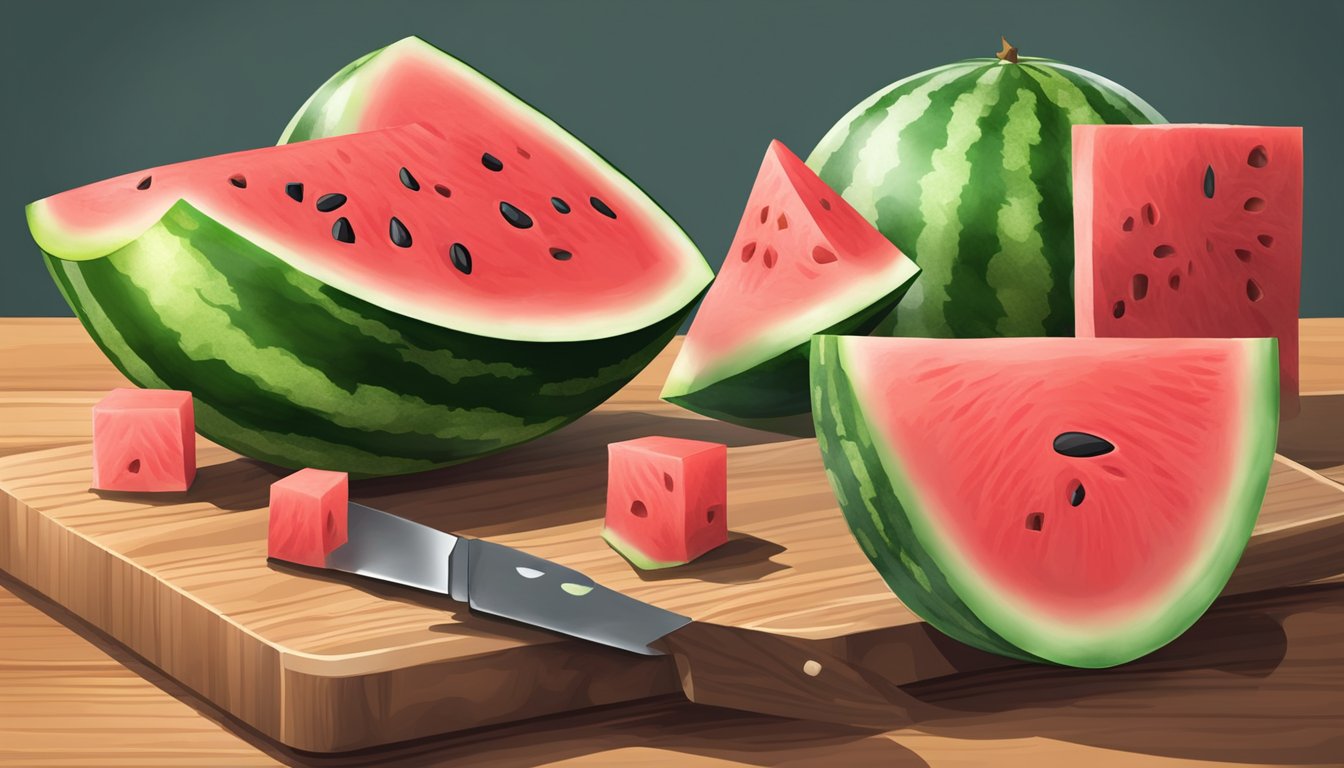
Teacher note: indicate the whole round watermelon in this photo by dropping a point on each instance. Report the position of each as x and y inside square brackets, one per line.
[966, 169]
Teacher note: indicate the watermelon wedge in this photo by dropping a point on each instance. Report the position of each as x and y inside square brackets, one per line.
[1076, 501]
[1190, 230]
[379, 303]
[803, 262]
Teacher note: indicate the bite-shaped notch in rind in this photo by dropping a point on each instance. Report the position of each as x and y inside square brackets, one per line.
[308, 516]
[144, 440]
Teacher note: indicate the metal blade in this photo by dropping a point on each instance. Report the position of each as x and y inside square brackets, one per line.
[384, 546]
[503, 581]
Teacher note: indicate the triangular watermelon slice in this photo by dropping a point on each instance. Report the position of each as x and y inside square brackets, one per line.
[1078, 501]
[803, 262]
[1190, 230]
[378, 303]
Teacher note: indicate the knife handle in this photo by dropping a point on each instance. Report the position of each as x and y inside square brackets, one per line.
[782, 676]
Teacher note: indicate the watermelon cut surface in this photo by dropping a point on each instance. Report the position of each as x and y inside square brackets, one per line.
[803, 262]
[1077, 501]
[330, 306]
[1191, 230]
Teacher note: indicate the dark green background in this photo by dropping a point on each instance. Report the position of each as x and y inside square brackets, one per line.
[683, 96]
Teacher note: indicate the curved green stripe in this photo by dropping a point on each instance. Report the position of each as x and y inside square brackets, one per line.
[870, 496]
[839, 165]
[978, 212]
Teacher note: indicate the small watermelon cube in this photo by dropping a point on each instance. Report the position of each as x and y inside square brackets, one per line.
[667, 500]
[144, 440]
[308, 516]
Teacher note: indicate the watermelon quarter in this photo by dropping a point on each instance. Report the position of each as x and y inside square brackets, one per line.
[1191, 230]
[803, 262]
[965, 167]
[1077, 501]
[384, 302]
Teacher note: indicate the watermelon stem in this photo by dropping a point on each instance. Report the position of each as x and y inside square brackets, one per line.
[1009, 52]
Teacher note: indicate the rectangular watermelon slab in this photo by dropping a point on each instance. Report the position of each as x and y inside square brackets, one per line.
[1190, 231]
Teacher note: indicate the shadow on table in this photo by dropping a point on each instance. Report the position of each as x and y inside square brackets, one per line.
[1257, 680]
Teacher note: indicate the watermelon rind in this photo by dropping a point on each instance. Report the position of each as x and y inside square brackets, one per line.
[287, 369]
[633, 554]
[966, 169]
[337, 108]
[882, 505]
[763, 388]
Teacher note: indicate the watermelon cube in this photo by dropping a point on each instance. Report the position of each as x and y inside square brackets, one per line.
[308, 516]
[667, 500]
[1190, 231]
[144, 440]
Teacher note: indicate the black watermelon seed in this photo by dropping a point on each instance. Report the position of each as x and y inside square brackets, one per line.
[1208, 182]
[238, 180]
[295, 191]
[491, 162]
[1081, 445]
[560, 205]
[342, 231]
[514, 216]
[602, 208]
[408, 181]
[145, 182]
[401, 236]
[330, 202]
[442, 190]
[1079, 493]
[461, 258]
[560, 254]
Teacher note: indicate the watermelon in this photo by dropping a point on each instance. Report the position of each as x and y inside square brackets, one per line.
[803, 262]
[965, 167]
[307, 516]
[667, 500]
[1190, 230]
[1075, 501]
[144, 440]
[379, 303]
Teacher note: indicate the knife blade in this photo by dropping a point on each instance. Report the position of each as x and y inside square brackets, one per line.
[722, 666]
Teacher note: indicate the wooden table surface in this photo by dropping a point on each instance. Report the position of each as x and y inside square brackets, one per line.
[68, 696]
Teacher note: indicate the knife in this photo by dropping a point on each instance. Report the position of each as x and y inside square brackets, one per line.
[719, 666]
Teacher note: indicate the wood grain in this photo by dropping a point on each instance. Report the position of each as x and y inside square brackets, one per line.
[64, 702]
[196, 558]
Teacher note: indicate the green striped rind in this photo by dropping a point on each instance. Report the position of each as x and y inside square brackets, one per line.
[287, 369]
[773, 396]
[966, 168]
[884, 510]
[870, 498]
[636, 556]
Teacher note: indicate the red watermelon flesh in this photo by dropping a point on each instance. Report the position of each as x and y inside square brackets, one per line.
[425, 226]
[1190, 230]
[803, 261]
[1075, 500]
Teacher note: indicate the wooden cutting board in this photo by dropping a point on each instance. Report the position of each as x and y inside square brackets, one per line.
[328, 663]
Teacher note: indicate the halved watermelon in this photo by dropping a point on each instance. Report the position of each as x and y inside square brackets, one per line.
[803, 262]
[1190, 230]
[378, 303]
[1077, 501]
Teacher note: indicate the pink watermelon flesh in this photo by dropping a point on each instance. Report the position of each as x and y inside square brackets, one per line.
[308, 516]
[1190, 230]
[1076, 548]
[666, 499]
[144, 440]
[471, 246]
[802, 261]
